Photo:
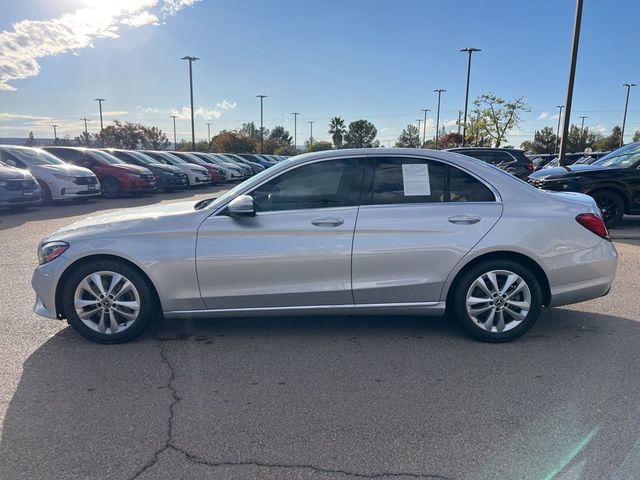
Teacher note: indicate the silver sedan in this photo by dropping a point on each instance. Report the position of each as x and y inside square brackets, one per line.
[349, 231]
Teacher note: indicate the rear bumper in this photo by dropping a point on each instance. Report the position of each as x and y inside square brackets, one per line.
[583, 275]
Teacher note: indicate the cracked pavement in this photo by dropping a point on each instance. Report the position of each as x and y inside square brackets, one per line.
[315, 397]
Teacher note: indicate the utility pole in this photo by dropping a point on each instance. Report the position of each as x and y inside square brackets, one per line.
[175, 140]
[261, 97]
[572, 76]
[419, 122]
[470, 51]
[100, 100]
[295, 129]
[424, 132]
[439, 92]
[582, 124]
[193, 127]
[311, 137]
[459, 119]
[209, 132]
[86, 130]
[626, 104]
[55, 134]
[558, 130]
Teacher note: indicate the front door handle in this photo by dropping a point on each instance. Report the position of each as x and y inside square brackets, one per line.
[328, 222]
[464, 219]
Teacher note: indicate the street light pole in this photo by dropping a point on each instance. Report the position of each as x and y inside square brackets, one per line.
[419, 122]
[86, 130]
[626, 104]
[193, 127]
[209, 132]
[175, 140]
[470, 51]
[261, 97]
[55, 135]
[424, 132]
[439, 92]
[100, 100]
[558, 130]
[582, 117]
[295, 129]
[311, 137]
[572, 76]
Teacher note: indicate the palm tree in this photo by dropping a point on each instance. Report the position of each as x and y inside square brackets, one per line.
[337, 130]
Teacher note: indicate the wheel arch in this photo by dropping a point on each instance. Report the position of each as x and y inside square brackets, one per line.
[521, 258]
[90, 258]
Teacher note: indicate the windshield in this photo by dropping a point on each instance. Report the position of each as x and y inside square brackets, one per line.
[622, 158]
[172, 159]
[105, 157]
[36, 156]
[143, 158]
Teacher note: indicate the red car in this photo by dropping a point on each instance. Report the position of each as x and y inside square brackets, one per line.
[217, 174]
[116, 177]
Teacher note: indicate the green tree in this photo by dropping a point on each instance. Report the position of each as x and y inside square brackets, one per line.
[233, 142]
[495, 116]
[281, 136]
[269, 146]
[544, 141]
[579, 139]
[288, 150]
[125, 135]
[636, 136]
[450, 140]
[610, 142]
[361, 134]
[153, 138]
[337, 130]
[409, 138]
[318, 146]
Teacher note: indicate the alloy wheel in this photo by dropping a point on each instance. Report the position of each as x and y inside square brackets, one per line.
[498, 301]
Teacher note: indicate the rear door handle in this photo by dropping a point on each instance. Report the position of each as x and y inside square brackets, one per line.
[464, 219]
[328, 222]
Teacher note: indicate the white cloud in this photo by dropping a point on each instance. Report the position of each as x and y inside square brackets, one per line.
[30, 40]
[226, 104]
[115, 113]
[201, 112]
[543, 115]
[600, 129]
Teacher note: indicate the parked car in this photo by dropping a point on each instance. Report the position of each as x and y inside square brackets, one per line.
[252, 157]
[613, 181]
[232, 172]
[168, 177]
[116, 177]
[255, 167]
[18, 188]
[58, 180]
[217, 173]
[511, 160]
[246, 169]
[196, 175]
[434, 231]
[541, 160]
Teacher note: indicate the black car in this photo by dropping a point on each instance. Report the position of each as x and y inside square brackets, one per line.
[613, 181]
[168, 177]
[511, 160]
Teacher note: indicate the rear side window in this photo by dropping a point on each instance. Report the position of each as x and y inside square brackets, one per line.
[413, 180]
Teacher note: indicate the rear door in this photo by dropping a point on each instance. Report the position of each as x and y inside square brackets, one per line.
[418, 218]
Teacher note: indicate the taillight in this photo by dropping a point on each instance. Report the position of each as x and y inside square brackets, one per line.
[530, 166]
[594, 223]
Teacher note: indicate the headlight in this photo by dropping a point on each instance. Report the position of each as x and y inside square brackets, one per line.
[199, 172]
[134, 175]
[50, 251]
[67, 178]
[3, 183]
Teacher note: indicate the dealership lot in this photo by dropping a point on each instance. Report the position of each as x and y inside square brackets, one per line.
[316, 398]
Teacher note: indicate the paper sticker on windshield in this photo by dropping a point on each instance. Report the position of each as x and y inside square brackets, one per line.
[415, 179]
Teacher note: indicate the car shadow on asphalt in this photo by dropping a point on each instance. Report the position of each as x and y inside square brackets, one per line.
[393, 394]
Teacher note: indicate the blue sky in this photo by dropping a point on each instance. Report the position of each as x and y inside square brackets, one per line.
[378, 60]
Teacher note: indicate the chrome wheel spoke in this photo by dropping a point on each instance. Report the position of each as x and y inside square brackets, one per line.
[86, 287]
[114, 281]
[478, 311]
[128, 315]
[494, 282]
[80, 304]
[97, 281]
[101, 324]
[500, 322]
[113, 323]
[477, 300]
[524, 305]
[483, 286]
[511, 279]
[488, 324]
[124, 289]
[515, 315]
[87, 314]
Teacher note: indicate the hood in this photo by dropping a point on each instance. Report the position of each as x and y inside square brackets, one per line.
[12, 173]
[563, 171]
[126, 167]
[68, 169]
[167, 168]
[114, 222]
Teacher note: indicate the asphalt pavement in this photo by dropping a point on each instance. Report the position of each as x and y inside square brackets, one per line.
[385, 397]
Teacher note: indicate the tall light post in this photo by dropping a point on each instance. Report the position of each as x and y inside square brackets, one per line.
[419, 122]
[209, 133]
[468, 50]
[558, 130]
[295, 129]
[175, 139]
[86, 130]
[193, 127]
[261, 97]
[626, 104]
[439, 92]
[424, 132]
[572, 76]
[311, 136]
[100, 100]
[582, 117]
[55, 134]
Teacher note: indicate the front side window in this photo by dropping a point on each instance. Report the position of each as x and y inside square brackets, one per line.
[332, 183]
[622, 158]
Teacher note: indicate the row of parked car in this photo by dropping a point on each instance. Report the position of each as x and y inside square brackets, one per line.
[41, 175]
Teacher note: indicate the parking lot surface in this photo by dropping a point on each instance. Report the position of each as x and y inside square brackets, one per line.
[317, 397]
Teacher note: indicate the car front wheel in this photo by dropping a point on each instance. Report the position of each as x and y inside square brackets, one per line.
[497, 301]
[108, 301]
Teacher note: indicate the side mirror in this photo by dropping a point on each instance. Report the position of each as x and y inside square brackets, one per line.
[242, 206]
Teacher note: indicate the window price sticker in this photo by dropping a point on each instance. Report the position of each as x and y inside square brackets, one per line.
[415, 179]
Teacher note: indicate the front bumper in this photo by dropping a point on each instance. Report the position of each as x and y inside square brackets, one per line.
[44, 281]
[71, 190]
[17, 198]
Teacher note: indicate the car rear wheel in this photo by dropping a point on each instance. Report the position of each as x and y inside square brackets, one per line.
[497, 301]
[110, 188]
[611, 205]
[108, 301]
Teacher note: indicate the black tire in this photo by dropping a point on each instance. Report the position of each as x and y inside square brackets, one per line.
[611, 205]
[47, 199]
[110, 188]
[458, 301]
[147, 301]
